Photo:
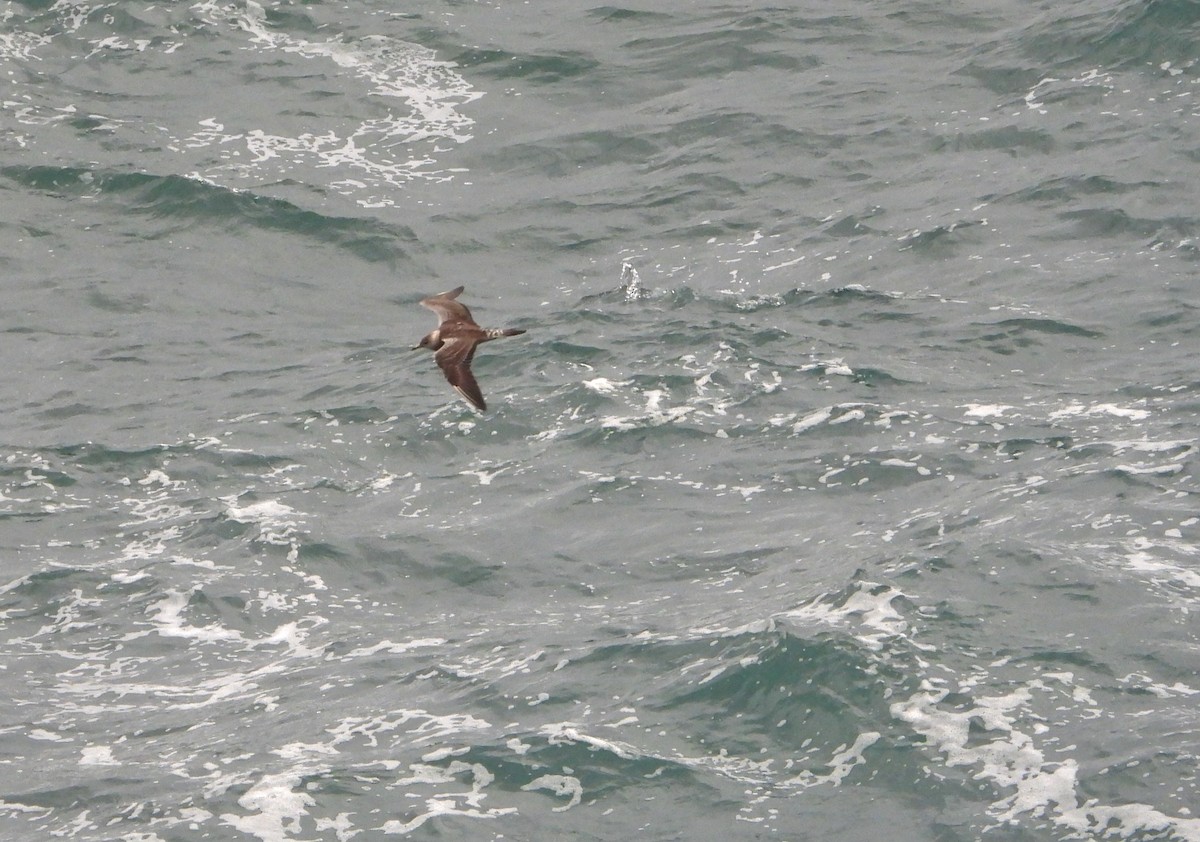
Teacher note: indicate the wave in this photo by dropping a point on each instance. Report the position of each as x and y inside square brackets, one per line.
[1132, 36]
[536, 67]
[188, 202]
[412, 99]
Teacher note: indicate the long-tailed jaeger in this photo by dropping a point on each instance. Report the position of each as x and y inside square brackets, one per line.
[454, 343]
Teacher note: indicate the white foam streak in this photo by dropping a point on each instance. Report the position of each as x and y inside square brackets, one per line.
[278, 523]
[425, 726]
[277, 806]
[431, 90]
[842, 763]
[566, 733]
[870, 607]
[1142, 561]
[1039, 787]
[1078, 410]
[561, 785]
[21, 46]
[168, 616]
[445, 804]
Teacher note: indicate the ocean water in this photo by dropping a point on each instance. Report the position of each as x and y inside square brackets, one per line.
[843, 486]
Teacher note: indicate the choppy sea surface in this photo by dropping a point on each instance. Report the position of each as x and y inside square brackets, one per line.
[844, 485]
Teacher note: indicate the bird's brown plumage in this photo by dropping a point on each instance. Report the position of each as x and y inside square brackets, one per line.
[454, 343]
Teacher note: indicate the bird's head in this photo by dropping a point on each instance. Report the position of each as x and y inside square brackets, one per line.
[433, 341]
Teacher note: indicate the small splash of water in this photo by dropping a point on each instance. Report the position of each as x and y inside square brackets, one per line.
[631, 283]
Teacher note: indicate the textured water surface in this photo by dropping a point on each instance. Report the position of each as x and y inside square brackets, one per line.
[843, 485]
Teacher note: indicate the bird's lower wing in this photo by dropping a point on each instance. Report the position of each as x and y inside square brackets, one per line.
[464, 383]
[455, 362]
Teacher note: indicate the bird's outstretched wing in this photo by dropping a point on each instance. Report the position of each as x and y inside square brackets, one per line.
[447, 309]
[454, 359]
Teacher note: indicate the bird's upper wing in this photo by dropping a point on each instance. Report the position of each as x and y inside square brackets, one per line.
[447, 309]
[454, 358]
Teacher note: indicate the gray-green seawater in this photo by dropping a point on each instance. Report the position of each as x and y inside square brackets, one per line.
[843, 486]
